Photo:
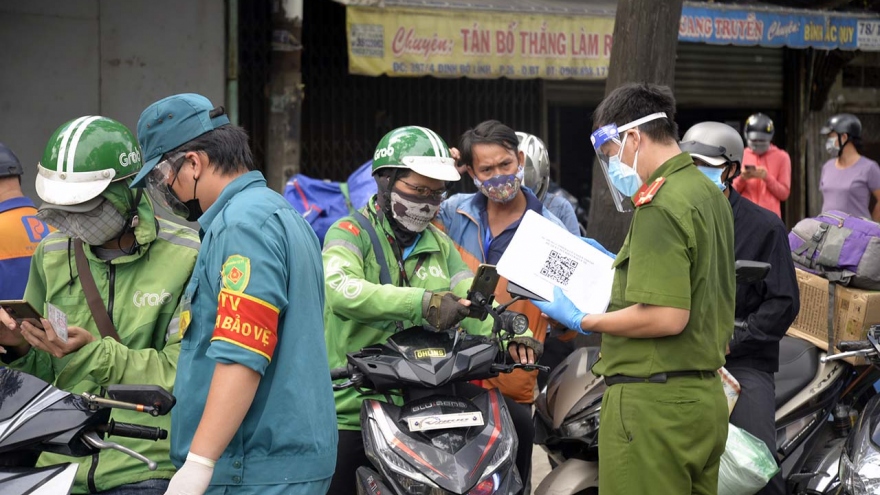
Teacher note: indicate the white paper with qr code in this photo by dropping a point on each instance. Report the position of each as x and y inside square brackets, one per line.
[542, 255]
[58, 319]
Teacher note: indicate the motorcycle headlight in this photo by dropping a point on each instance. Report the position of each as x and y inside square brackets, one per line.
[504, 452]
[582, 425]
[861, 474]
[412, 481]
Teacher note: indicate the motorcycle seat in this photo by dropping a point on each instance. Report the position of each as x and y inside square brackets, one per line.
[798, 362]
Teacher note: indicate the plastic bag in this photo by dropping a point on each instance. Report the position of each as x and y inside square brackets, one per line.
[746, 465]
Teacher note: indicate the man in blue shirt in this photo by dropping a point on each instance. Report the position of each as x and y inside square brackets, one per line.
[22, 230]
[258, 413]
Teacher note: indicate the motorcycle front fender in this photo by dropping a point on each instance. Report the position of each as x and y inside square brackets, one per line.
[570, 477]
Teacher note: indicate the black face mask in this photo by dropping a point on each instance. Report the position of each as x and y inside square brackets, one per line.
[193, 208]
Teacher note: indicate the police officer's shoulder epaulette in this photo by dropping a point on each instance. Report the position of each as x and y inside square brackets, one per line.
[647, 192]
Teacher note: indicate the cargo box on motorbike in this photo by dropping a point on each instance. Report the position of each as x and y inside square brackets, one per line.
[855, 310]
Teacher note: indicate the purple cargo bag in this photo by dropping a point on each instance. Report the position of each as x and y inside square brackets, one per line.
[839, 247]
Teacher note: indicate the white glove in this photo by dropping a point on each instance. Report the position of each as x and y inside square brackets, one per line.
[193, 477]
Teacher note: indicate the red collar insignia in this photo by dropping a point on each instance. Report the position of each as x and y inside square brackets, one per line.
[647, 191]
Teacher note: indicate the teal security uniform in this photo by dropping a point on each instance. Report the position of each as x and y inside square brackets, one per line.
[141, 291]
[361, 312]
[256, 300]
[668, 437]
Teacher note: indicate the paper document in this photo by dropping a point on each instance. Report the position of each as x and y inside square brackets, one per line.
[542, 255]
[58, 319]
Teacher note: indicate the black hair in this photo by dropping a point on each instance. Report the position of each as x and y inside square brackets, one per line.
[636, 100]
[488, 132]
[227, 149]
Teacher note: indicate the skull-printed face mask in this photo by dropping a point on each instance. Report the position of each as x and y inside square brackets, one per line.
[413, 212]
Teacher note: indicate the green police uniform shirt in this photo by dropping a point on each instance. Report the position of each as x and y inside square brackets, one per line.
[678, 253]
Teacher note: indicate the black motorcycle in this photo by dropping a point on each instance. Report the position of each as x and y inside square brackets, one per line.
[859, 465]
[36, 417]
[438, 441]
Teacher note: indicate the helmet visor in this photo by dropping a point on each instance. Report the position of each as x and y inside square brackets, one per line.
[712, 155]
[160, 180]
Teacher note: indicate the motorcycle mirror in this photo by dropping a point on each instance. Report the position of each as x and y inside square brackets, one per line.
[517, 290]
[749, 272]
[149, 395]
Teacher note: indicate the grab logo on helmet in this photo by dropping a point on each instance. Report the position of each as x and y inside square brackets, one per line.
[133, 158]
[384, 152]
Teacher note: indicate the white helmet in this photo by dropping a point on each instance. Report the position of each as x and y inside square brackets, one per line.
[537, 166]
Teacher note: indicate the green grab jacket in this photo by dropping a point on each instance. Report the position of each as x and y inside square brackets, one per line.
[359, 311]
[141, 292]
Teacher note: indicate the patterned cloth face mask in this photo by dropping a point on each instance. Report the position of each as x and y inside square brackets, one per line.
[413, 212]
[501, 188]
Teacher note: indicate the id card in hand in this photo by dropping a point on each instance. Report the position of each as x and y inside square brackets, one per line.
[58, 320]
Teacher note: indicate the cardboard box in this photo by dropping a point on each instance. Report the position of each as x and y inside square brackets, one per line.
[855, 310]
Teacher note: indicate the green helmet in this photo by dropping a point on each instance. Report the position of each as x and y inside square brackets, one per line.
[82, 158]
[418, 149]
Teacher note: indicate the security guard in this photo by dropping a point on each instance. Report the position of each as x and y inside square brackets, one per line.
[258, 412]
[664, 415]
[22, 230]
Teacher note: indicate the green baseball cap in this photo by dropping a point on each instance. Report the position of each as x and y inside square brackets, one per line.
[172, 122]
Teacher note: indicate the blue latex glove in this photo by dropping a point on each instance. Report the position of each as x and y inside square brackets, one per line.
[595, 244]
[563, 310]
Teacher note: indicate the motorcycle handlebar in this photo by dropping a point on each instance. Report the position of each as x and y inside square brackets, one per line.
[340, 373]
[135, 431]
[853, 345]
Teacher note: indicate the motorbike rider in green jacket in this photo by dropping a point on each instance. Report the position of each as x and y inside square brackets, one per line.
[429, 278]
[140, 264]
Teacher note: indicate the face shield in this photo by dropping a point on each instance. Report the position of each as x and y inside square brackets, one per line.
[159, 187]
[608, 146]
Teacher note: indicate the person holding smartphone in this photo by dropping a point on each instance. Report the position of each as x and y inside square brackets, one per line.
[138, 265]
[766, 173]
[429, 280]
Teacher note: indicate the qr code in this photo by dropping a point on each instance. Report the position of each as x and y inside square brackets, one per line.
[558, 267]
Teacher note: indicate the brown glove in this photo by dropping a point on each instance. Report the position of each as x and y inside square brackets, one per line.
[529, 342]
[442, 310]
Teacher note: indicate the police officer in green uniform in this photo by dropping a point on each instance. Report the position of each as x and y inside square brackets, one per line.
[664, 415]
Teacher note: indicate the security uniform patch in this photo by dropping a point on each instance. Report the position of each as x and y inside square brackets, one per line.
[236, 273]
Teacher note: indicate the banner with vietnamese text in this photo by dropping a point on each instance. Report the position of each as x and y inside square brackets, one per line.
[446, 43]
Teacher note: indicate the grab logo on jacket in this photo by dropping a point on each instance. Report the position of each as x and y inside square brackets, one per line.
[142, 299]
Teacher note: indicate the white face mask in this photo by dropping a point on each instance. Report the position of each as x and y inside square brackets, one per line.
[96, 227]
[832, 147]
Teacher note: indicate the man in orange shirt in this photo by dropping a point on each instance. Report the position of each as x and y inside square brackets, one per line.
[766, 172]
[22, 230]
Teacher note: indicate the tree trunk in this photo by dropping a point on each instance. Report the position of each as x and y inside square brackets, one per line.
[645, 42]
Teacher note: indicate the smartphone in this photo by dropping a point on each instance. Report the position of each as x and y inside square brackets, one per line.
[21, 310]
[750, 167]
[482, 291]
